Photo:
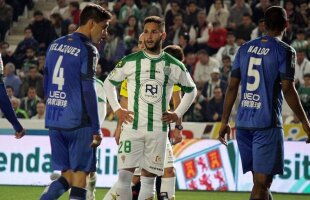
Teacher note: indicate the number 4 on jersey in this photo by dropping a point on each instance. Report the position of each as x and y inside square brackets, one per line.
[58, 74]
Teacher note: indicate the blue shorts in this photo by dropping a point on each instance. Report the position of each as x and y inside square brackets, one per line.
[261, 151]
[71, 150]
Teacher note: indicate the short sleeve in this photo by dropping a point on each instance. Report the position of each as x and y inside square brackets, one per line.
[89, 62]
[287, 61]
[186, 82]
[117, 75]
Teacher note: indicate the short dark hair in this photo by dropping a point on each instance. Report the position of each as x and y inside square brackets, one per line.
[157, 20]
[9, 87]
[95, 12]
[275, 18]
[175, 51]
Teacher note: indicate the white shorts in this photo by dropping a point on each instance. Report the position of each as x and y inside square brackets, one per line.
[169, 160]
[145, 150]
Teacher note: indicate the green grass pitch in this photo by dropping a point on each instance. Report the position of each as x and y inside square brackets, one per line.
[33, 193]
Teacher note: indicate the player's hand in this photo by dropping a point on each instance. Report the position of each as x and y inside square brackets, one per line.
[124, 115]
[21, 134]
[225, 129]
[169, 117]
[96, 140]
[117, 134]
[176, 136]
[306, 128]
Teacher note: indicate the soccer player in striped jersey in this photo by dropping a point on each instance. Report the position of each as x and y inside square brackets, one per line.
[265, 69]
[151, 74]
[6, 107]
[71, 105]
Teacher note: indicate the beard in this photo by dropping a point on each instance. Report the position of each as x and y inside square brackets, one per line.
[153, 48]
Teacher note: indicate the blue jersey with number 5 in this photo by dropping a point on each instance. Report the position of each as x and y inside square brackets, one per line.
[70, 60]
[260, 65]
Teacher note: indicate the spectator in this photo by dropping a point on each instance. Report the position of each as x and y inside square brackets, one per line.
[148, 9]
[293, 14]
[176, 29]
[244, 30]
[72, 28]
[215, 81]
[60, 26]
[204, 68]
[304, 94]
[62, 8]
[237, 12]
[28, 41]
[305, 10]
[74, 8]
[214, 108]
[217, 38]
[190, 61]
[184, 43]
[6, 19]
[41, 62]
[175, 9]
[30, 60]
[194, 113]
[6, 53]
[290, 33]
[302, 67]
[191, 13]
[132, 31]
[199, 32]
[10, 79]
[218, 14]
[20, 113]
[300, 43]
[10, 91]
[29, 103]
[259, 30]
[259, 10]
[114, 49]
[230, 49]
[40, 111]
[130, 8]
[32, 80]
[42, 30]
[226, 68]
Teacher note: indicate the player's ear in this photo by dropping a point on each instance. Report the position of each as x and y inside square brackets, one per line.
[163, 36]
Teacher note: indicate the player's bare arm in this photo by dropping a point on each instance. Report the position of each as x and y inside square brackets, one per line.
[230, 97]
[291, 96]
[177, 133]
[118, 130]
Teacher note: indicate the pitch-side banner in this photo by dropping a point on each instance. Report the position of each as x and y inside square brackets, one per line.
[201, 164]
[292, 132]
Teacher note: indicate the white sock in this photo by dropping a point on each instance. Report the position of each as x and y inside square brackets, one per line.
[147, 190]
[167, 187]
[90, 186]
[121, 190]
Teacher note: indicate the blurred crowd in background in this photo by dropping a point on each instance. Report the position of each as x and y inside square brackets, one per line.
[209, 32]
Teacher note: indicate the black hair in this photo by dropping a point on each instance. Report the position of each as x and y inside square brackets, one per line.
[275, 18]
[95, 12]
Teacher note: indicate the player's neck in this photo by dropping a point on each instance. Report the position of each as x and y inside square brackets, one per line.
[83, 31]
[155, 52]
[275, 34]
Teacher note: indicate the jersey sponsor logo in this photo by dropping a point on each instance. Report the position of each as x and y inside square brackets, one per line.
[151, 91]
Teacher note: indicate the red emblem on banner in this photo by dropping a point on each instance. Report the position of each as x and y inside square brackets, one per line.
[214, 159]
[189, 169]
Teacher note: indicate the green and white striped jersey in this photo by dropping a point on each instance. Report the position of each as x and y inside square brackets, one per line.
[150, 86]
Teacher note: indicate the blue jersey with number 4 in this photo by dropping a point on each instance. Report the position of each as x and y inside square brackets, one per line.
[70, 60]
[260, 65]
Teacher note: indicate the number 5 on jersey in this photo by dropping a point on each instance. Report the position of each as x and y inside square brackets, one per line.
[58, 74]
[253, 73]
